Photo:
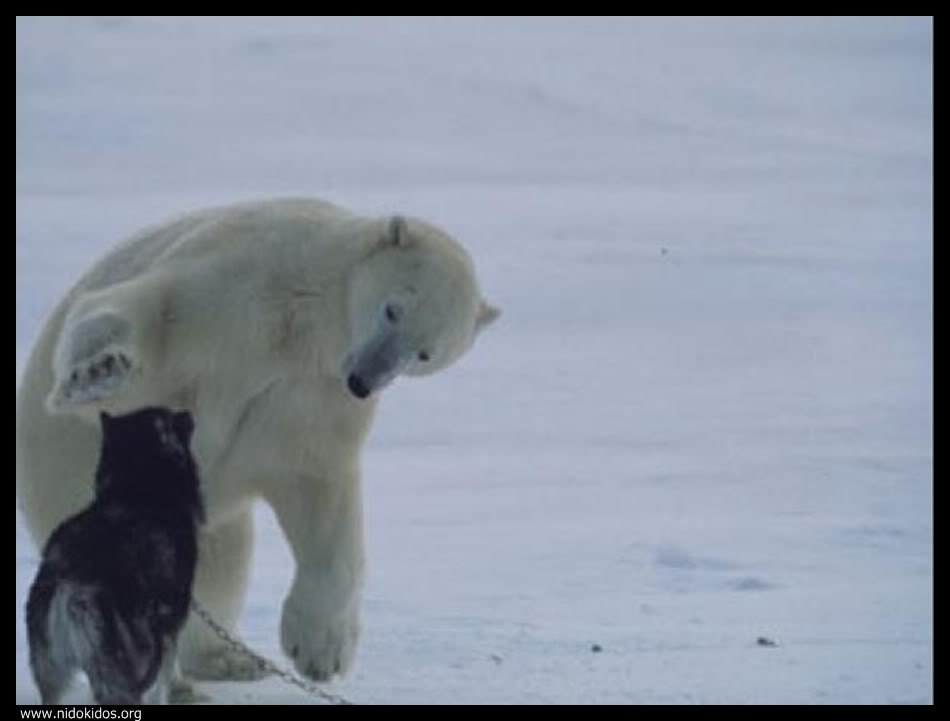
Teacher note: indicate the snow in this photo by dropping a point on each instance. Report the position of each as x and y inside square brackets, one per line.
[706, 415]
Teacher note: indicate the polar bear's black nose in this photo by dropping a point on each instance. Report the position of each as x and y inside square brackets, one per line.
[357, 386]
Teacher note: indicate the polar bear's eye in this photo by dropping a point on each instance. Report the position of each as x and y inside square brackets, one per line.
[392, 313]
[423, 356]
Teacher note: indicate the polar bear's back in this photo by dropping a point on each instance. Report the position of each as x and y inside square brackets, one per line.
[143, 250]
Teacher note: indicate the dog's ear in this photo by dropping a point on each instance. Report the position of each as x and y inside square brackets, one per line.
[184, 426]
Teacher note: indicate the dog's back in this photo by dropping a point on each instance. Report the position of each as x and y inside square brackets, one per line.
[114, 586]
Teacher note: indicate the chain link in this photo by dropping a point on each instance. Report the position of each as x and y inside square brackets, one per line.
[264, 664]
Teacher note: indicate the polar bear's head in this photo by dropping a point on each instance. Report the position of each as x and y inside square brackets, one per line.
[413, 306]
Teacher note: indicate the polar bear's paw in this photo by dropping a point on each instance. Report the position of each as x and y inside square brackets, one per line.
[92, 379]
[320, 648]
[183, 691]
[223, 663]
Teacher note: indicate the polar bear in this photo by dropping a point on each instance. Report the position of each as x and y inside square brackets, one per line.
[277, 324]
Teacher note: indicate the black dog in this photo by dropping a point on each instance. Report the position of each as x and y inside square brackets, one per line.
[114, 587]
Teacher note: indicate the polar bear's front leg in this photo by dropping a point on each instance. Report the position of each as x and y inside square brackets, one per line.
[320, 624]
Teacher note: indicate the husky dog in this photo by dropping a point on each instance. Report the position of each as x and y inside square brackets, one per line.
[114, 586]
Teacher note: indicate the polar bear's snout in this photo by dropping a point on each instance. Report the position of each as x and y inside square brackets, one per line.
[375, 364]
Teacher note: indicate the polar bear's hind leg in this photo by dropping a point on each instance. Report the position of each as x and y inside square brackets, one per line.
[93, 360]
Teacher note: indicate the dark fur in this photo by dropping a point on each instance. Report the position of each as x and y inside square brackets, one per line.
[114, 587]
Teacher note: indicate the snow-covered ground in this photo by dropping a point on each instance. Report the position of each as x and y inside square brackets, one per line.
[706, 415]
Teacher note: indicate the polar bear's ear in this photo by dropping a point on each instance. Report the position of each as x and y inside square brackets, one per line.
[397, 232]
[487, 315]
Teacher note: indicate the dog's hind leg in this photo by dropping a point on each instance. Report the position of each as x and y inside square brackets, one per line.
[51, 661]
[53, 675]
[113, 678]
[120, 658]
[160, 692]
[111, 688]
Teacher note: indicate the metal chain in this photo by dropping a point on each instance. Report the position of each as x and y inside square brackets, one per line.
[265, 664]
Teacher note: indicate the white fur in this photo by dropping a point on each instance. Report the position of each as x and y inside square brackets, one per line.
[253, 317]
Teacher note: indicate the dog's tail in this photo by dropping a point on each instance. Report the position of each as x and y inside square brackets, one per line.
[100, 636]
